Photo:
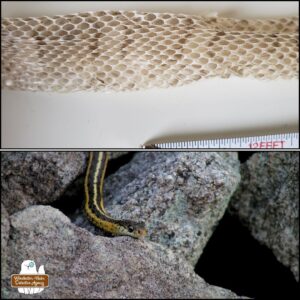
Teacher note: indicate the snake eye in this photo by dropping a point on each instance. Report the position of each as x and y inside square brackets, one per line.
[130, 229]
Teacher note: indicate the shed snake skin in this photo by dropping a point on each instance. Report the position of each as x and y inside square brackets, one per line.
[128, 50]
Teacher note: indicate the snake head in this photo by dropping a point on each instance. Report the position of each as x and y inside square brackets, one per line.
[131, 228]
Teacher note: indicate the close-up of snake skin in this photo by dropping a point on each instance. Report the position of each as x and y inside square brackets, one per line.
[120, 50]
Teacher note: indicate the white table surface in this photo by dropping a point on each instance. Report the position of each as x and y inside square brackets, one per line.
[208, 108]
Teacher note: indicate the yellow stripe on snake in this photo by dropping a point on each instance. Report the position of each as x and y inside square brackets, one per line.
[94, 206]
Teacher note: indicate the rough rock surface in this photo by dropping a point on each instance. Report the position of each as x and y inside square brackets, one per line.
[29, 178]
[267, 201]
[4, 235]
[81, 265]
[180, 195]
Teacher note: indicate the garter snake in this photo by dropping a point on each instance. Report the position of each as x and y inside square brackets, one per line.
[94, 206]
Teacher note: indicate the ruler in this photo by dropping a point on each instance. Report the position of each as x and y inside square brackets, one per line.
[275, 141]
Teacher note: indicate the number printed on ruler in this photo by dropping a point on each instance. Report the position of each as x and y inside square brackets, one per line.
[276, 141]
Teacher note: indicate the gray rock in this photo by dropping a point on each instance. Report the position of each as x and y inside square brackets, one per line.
[4, 236]
[4, 226]
[117, 154]
[180, 195]
[29, 178]
[81, 265]
[267, 201]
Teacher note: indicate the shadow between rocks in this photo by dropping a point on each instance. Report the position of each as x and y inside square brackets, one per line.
[234, 260]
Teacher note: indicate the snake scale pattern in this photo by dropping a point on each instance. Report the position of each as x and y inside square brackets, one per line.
[128, 50]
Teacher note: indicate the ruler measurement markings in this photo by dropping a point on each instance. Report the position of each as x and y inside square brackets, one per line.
[275, 141]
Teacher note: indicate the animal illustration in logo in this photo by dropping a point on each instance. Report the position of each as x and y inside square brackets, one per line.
[28, 267]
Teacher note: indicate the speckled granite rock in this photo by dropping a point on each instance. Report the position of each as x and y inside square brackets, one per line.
[81, 265]
[4, 236]
[267, 201]
[29, 178]
[180, 195]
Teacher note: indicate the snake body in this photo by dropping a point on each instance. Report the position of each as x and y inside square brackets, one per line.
[94, 206]
[128, 50]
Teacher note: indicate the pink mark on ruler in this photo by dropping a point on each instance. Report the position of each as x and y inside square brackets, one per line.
[267, 144]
